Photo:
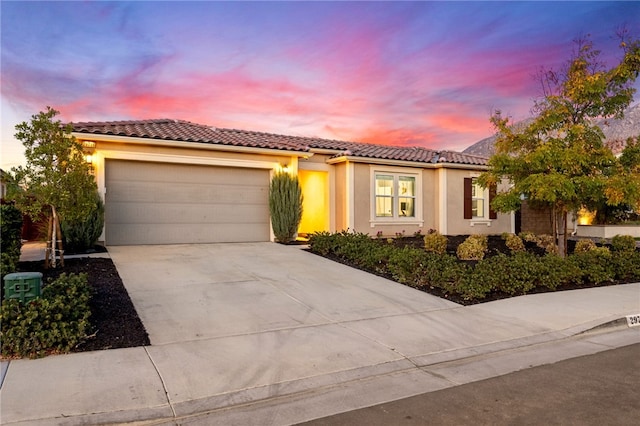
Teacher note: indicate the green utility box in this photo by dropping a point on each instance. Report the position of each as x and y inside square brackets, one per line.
[24, 286]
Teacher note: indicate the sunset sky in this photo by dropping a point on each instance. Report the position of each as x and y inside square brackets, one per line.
[403, 73]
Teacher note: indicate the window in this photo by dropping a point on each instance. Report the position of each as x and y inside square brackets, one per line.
[395, 196]
[476, 203]
[477, 200]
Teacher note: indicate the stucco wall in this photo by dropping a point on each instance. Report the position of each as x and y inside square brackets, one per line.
[340, 197]
[456, 224]
[363, 200]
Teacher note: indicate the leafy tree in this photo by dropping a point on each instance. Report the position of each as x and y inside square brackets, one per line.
[285, 206]
[558, 158]
[56, 179]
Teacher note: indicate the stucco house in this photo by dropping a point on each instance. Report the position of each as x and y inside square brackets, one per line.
[172, 181]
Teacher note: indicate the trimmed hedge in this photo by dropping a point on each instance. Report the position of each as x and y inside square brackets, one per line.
[473, 281]
[54, 323]
[10, 238]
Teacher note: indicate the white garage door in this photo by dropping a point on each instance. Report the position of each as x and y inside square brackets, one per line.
[163, 203]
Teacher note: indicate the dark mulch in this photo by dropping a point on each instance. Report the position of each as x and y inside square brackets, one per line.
[114, 320]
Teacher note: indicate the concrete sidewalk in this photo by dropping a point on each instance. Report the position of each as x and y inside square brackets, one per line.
[269, 334]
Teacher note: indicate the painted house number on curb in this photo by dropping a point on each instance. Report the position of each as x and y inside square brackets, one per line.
[633, 320]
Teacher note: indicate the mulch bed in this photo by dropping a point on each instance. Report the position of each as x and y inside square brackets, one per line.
[495, 245]
[114, 320]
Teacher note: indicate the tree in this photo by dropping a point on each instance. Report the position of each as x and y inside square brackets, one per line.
[56, 180]
[559, 158]
[285, 206]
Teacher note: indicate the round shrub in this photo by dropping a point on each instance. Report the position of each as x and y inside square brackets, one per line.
[529, 237]
[584, 246]
[434, 242]
[473, 248]
[513, 242]
[548, 243]
[623, 243]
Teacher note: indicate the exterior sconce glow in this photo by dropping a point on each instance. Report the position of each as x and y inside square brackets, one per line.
[89, 148]
[585, 217]
[284, 167]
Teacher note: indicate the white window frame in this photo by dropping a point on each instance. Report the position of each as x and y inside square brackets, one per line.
[480, 220]
[484, 196]
[396, 219]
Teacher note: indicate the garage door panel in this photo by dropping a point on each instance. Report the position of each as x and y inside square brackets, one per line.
[221, 233]
[175, 173]
[187, 193]
[158, 203]
[123, 213]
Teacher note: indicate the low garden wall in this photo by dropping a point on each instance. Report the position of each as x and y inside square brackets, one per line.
[608, 231]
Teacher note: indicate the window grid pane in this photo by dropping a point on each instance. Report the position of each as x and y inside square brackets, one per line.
[407, 207]
[384, 206]
[384, 185]
[407, 186]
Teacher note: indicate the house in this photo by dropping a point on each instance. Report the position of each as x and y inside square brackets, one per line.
[172, 181]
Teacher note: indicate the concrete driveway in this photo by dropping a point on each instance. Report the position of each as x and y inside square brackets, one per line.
[267, 334]
[195, 292]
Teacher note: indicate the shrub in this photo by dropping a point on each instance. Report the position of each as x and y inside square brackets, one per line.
[584, 246]
[322, 243]
[419, 268]
[55, 323]
[529, 237]
[513, 242]
[595, 266]
[554, 271]
[285, 206]
[81, 235]
[10, 239]
[406, 265]
[509, 274]
[472, 285]
[623, 243]
[548, 243]
[473, 248]
[626, 265]
[434, 242]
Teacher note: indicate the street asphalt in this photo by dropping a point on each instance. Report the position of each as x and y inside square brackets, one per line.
[265, 334]
[599, 389]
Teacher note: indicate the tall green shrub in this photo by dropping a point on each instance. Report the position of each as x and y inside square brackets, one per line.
[10, 238]
[82, 234]
[285, 206]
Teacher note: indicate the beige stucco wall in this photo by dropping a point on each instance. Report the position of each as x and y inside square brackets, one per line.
[456, 224]
[363, 200]
[155, 151]
[340, 197]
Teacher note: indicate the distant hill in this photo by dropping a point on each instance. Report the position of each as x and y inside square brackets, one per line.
[616, 133]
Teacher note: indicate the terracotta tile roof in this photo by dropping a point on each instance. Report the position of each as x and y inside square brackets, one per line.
[180, 130]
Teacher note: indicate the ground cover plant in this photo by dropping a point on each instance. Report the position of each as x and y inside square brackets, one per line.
[486, 268]
[106, 320]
